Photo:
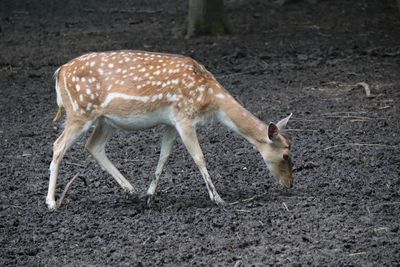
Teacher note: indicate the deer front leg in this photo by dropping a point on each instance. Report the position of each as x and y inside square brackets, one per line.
[167, 144]
[188, 134]
[71, 132]
[96, 147]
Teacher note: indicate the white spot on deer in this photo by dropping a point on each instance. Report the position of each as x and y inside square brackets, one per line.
[157, 72]
[210, 90]
[111, 65]
[110, 97]
[88, 91]
[100, 70]
[109, 87]
[219, 95]
[98, 86]
[154, 98]
[89, 106]
[142, 69]
[190, 85]
[77, 87]
[81, 98]
[201, 88]
[172, 98]
[92, 63]
[118, 70]
[83, 79]
[92, 96]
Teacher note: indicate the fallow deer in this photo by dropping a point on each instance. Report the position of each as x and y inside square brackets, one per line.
[135, 90]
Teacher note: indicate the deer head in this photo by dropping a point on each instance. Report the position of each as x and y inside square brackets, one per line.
[275, 151]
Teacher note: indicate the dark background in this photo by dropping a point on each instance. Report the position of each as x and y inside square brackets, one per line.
[297, 57]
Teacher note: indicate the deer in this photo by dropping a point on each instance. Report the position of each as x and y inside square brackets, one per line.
[133, 90]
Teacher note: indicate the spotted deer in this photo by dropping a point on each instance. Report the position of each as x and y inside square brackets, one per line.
[135, 90]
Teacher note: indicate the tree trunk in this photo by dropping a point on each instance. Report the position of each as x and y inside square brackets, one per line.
[206, 17]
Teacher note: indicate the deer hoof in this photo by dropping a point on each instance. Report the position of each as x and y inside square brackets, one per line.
[219, 201]
[51, 205]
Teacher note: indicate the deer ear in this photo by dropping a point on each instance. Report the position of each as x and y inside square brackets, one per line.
[272, 132]
[282, 123]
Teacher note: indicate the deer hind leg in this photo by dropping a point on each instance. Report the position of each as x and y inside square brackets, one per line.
[167, 144]
[68, 137]
[188, 134]
[96, 147]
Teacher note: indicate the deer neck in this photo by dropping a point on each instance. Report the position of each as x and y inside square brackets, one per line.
[240, 120]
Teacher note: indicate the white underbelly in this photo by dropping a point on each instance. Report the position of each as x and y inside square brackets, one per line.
[141, 121]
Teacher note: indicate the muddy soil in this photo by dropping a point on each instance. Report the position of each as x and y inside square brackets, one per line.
[303, 58]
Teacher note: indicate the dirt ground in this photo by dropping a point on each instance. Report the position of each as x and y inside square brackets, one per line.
[304, 58]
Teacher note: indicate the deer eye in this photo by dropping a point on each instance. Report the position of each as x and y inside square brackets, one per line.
[285, 156]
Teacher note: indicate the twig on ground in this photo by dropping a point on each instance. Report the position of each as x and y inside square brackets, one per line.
[247, 199]
[381, 229]
[384, 107]
[300, 130]
[357, 254]
[286, 207]
[343, 112]
[366, 88]
[369, 212]
[358, 144]
[74, 164]
[147, 239]
[350, 117]
[65, 190]
[238, 263]
[243, 210]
